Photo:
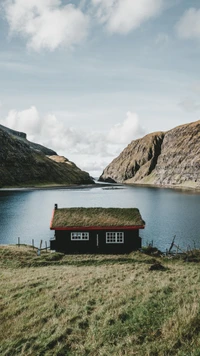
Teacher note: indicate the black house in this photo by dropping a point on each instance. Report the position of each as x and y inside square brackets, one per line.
[96, 230]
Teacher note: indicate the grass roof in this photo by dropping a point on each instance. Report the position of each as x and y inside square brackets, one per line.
[75, 217]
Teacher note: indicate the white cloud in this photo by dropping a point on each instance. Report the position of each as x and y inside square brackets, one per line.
[50, 131]
[122, 16]
[127, 131]
[49, 24]
[188, 26]
[88, 149]
[46, 24]
[94, 165]
[27, 121]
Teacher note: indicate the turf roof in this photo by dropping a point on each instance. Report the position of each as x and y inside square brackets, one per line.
[75, 217]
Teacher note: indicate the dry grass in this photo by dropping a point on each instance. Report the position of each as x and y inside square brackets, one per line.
[97, 305]
[96, 217]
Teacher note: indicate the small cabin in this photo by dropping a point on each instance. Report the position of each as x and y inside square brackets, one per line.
[96, 230]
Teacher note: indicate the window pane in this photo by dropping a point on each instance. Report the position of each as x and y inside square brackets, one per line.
[114, 237]
[78, 236]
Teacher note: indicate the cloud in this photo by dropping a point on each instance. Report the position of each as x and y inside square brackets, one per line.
[94, 165]
[49, 24]
[50, 131]
[188, 26]
[46, 24]
[125, 132]
[27, 121]
[123, 16]
[88, 149]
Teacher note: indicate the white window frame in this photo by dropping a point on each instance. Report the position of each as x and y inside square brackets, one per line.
[115, 237]
[79, 236]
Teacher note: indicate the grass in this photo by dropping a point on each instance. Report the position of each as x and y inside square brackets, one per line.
[96, 217]
[97, 305]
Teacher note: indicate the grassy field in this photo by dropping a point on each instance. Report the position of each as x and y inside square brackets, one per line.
[97, 305]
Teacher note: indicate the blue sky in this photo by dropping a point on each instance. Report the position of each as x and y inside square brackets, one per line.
[87, 77]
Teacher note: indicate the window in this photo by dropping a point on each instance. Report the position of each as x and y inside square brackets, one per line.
[79, 236]
[114, 237]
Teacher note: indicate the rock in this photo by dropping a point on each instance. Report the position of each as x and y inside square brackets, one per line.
[107, 180]
[157, 267]
[150, 250]
[165, 159]
[179, 162]
[136, 161]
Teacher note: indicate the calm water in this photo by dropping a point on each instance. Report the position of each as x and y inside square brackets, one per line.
[27, 213]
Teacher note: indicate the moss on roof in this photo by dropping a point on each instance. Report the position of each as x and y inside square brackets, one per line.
[67, 217]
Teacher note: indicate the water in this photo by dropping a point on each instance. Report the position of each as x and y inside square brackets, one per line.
[27, 213]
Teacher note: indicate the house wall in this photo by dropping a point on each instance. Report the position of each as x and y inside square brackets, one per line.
[96, 243]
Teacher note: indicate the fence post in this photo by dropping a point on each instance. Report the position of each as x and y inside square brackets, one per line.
[18, 241]
[33, 243]
[46, 245]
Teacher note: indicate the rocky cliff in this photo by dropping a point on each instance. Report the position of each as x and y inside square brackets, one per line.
[169, 158]
[26, 163]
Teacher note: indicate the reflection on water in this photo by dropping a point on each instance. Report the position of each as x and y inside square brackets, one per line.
[27, 213]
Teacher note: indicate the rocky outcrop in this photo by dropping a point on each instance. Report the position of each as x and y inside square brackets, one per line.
[23, 163]
[23, 137]
[165, 159]
[179, 162]
[136, 161]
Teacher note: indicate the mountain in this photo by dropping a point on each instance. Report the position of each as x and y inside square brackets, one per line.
[169, 158]
[24, 163]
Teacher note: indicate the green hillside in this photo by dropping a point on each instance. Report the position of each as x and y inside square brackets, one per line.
[23, 163]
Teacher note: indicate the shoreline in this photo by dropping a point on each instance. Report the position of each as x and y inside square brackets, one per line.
[172, 187]
[60, 186]
[97, 184]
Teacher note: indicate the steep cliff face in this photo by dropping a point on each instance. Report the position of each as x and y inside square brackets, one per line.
[168, 159]
[24, 163]
[136, 161]
[179, 162]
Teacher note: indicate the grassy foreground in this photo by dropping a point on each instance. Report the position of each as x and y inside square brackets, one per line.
[97, 305]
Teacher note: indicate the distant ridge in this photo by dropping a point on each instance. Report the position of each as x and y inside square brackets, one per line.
[23, 136]
[13, 132]
[169, 159]
[25, 163]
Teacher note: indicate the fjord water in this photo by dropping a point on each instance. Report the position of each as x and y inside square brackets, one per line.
[27, 213]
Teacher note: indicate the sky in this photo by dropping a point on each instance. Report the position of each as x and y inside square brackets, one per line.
[87, 77]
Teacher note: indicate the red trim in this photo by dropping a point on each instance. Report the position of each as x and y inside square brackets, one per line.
[51, 223]
[80, 228]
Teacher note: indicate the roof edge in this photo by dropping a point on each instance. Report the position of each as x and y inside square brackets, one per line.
[91, 228]
[51, 222]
